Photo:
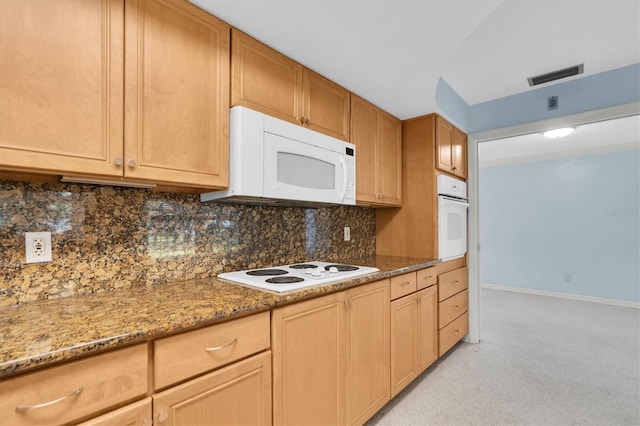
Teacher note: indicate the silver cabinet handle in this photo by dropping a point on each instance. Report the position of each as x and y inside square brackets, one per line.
[118, 161]
[217, 348]
[24, 408]
[163, 416]
[131, 163]
[405, 283]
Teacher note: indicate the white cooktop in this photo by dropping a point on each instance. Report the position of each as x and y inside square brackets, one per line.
[283, 279]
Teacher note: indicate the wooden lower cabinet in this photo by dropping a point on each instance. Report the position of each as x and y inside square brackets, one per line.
[368, 356]
[331, 357]
[75, 390]
[404, 333]
[453, 303]
[452, 333]
[239, 394]
[427, 327]
[135, 414]
[414, 336]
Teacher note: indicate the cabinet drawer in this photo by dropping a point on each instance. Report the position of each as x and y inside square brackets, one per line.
[403, 285]
[136, 414]
[185, 355]
[451, 283]
[427, 277]
[452, 308]
[78, 389]
[452, 333]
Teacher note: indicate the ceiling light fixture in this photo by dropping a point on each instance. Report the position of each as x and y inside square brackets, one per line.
[558, 133]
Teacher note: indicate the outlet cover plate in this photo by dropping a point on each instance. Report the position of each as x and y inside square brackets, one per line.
[347, 233]
[38, 247]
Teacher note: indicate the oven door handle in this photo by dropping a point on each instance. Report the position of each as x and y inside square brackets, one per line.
[449, 201]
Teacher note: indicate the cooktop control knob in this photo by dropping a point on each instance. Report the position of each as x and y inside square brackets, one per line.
[315, 273]
[333, 270]
[308, 271]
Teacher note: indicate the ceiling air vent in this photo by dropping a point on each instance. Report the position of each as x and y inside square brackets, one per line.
[556, 75]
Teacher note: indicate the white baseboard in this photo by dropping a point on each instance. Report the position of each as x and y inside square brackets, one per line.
[605, 301]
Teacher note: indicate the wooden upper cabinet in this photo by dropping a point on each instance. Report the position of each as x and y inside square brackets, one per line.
[177, 94]
[459, 152]
[265, 80]
[451, 148]
[79, 97]
[61, 65]
[390, 133]
[326, 105]
[378, 139]
[364, 130]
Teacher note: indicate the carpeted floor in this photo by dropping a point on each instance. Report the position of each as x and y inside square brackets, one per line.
[542, 361]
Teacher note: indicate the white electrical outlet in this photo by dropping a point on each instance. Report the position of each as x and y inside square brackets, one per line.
[347, 233]
[38, 247]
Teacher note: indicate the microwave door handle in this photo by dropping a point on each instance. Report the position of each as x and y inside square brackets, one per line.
[344, 179]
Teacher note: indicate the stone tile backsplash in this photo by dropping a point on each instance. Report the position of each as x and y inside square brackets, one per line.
[106, 238]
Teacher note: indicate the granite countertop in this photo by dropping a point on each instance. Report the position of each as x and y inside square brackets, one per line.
[41, 333]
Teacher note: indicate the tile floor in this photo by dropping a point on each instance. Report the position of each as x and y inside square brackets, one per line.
[542, 361]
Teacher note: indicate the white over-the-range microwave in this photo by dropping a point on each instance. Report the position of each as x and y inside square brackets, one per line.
[275, 162]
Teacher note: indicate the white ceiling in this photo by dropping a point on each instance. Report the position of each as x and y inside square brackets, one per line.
[602, 136]
[392, 52]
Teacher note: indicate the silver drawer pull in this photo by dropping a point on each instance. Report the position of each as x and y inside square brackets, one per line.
[24, 408]
[405, 283]
[217, 348]
[456, 307]
[456, 282]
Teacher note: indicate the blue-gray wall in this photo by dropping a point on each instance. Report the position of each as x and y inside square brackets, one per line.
[606, 89]
[569, 225]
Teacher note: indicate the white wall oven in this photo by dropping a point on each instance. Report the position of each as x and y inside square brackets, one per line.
[452, 217]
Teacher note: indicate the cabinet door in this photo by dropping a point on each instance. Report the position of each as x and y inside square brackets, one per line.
[364, 129]
[136, 414]
[390, 141]
[176, 95]
[264, 80]
[239, 394]
[459, 153]
[308, 343]
[404, 351]
[367, 350]
[326, 106]
[427, 327]
[61, 65]
[444, 142]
